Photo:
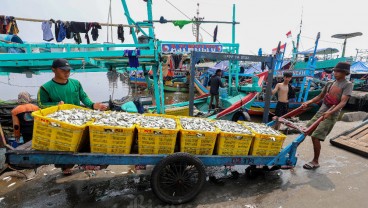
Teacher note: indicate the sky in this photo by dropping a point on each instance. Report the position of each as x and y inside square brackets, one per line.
[263, 23]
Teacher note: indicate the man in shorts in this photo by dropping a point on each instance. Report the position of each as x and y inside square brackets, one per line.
[335, 94]
[282, 90]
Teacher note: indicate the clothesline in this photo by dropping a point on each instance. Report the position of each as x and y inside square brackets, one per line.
[102, 24]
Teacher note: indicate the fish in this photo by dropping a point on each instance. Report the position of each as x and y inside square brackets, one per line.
[232, 127]
[197, 124]
[157, 122]
[262, 129]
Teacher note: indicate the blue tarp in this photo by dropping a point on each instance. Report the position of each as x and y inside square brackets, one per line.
[359, 67]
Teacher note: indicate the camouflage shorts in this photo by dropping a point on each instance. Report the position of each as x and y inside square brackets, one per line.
[324, 128]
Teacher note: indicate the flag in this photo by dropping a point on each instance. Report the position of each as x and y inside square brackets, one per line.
[215, 34]
[282, 49]
[288, 34]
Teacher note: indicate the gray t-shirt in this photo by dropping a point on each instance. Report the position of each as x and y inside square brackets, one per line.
[333, 92]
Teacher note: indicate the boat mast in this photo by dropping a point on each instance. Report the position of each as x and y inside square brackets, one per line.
[197, 24]
[296, 48]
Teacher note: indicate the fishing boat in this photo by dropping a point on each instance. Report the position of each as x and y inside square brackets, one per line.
[304, 80]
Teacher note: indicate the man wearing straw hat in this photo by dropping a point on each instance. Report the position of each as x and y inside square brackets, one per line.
[22, 118]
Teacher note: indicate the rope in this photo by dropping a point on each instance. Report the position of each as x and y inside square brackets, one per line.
[102, 24]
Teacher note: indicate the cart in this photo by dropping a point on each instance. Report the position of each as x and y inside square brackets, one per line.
[176, 178]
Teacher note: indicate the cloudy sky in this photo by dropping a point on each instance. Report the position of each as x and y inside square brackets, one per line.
[262, 23]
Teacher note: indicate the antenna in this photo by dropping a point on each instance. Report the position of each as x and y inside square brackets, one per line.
[197, 24]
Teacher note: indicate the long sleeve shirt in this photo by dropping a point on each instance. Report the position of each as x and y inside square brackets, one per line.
[51, 93]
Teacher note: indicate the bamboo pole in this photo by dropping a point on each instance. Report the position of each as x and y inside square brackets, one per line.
[102, 24]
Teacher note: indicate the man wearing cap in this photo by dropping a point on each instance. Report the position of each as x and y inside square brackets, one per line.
[335, 95]
[61, 89]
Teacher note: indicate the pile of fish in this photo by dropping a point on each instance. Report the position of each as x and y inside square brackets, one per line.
[114, 118]
[262, 129]
[233, 127]
[75, 116]
[156, 122]
[197, 124]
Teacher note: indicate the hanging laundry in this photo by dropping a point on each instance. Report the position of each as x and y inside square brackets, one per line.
[77, 38]
[133, 57]
[69, 33]
[95, 27]
[11, 27]
[182, 23]
[47, 33]
[137, 30]
[121, 33]
[60, 31]
[2, 24]
[80, 27]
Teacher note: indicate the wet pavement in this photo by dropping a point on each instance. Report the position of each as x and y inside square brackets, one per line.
[341, 181]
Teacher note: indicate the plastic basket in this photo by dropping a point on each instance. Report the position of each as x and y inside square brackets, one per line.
[265, 144]
[197, 142]
[111, 139]
[53, 135]
[234, 143]
[179, 111]
[157, 141]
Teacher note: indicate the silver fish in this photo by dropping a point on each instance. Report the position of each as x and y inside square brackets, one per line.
[230, 126]
[157, 122]
[197, 124]
[262, 129]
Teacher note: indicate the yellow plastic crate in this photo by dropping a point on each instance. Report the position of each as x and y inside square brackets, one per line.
[157, 141]
[179, 111]
[111, 139]
[234, 143]
[53, 135]
[197, 142]
[266, 144]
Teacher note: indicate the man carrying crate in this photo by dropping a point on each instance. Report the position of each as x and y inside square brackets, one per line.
[337, 94]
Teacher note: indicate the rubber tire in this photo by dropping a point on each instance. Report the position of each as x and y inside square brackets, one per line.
[241, 114]
[251, 172]
[177, 157]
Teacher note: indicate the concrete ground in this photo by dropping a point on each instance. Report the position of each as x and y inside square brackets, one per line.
[341, 181]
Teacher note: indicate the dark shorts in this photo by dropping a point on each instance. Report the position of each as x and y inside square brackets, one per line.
[281, 109]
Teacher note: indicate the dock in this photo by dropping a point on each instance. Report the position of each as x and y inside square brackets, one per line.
[358, 100]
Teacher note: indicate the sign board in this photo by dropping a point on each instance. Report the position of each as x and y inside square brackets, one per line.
[296, 73]
[187, 48]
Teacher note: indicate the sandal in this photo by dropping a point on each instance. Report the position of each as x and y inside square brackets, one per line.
[310, 166]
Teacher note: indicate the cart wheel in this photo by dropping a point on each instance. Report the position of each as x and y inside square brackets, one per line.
[178, 178]
[241, 116]
[251, 172]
